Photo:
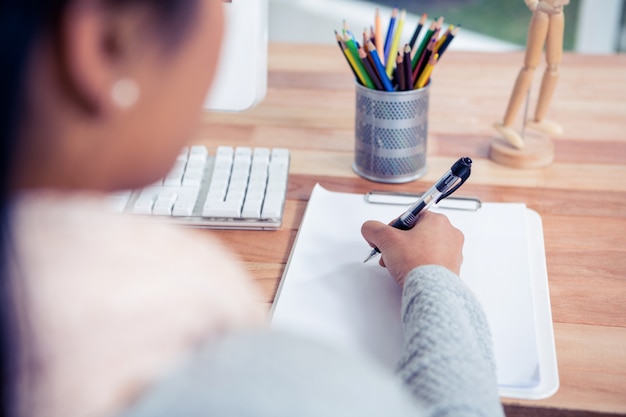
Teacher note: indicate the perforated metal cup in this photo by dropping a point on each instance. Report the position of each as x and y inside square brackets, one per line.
[390, 134]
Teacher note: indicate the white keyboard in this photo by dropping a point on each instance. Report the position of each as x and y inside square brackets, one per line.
[237, 188]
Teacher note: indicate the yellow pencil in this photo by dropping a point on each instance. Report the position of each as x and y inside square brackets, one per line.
[428, 69]
[394, 45]
[441, 40]
[353, 56]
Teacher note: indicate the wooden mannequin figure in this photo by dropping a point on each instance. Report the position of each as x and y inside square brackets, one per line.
[545, 29]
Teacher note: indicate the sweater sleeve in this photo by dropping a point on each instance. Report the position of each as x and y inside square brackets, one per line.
[448, 361]
[447, 367]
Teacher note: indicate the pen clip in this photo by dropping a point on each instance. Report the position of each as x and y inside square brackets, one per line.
[457, 184]
[460, 171]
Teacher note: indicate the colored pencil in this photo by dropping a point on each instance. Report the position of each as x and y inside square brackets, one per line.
[393, 50]
[400, 73]
[439, 22]
[449, 39]
[370, 69]
[378, 35]
[347, 30]
[378, 66]
[419, 68]
[425, 40]
[443, 37]
[387, 65]
[389, 37]
[357, 68]
[428, 69]
[366, 37]
[406, 67]
[358, 65]
[342, 47]
[418, 29]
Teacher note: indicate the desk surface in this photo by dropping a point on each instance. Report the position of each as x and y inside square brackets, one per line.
[581, 197]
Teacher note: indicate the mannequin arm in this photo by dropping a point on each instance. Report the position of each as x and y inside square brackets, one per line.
[546, 7]
[543, 6]
[532, 4]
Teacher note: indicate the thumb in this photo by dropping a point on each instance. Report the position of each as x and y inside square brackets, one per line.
[374, 233]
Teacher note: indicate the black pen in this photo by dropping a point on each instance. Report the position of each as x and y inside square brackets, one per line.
[451, 180]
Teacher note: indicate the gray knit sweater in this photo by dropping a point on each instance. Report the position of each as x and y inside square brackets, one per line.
[447, 368]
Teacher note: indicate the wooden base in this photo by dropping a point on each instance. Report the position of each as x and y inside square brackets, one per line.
[538, 152]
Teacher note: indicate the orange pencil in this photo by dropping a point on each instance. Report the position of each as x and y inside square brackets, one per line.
[378, 36]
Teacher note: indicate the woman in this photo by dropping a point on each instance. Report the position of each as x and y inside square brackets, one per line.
[104, 315]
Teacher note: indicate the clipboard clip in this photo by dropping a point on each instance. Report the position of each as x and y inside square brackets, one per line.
[406, 199]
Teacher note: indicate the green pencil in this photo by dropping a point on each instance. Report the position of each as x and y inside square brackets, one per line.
[423, 44]
[357, 60]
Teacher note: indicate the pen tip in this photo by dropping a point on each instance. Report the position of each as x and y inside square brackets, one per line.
[373, 253]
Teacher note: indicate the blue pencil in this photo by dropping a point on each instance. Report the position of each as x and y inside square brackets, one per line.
[378, 66]
[389, 38]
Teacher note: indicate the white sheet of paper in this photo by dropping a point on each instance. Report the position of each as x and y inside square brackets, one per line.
[327, 292]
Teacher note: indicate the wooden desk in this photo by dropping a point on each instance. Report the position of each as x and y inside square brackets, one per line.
[581, 198]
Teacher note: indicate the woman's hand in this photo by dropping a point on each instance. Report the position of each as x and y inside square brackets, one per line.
[433, 241]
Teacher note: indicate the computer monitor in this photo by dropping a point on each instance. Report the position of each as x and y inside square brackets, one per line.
[241, 78]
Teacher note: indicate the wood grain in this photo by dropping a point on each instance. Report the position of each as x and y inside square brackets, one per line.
[581, 197]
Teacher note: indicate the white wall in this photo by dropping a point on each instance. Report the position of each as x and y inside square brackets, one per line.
[599, 26]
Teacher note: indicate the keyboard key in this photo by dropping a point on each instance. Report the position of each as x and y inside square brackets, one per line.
[186, 201]
[224, 153]
[117, 201]
[144, 205]
[240, 187]
[243, 154]
[193, 178]
[280, 154]
[251, 209]
[222, 209]
[272, 208]
[175, 176]
[261, 155]
[164, 203]
[198, 153]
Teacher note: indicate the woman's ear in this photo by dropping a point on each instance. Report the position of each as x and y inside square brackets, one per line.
[97, 51]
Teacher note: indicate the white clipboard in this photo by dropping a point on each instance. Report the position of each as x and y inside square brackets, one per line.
[328, 293]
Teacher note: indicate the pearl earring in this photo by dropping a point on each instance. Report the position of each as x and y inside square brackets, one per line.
[125, 93]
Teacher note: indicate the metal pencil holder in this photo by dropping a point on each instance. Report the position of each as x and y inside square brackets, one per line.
[390, 134]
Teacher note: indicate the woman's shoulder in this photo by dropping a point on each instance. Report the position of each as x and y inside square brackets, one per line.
[74, 238]
[118, 296]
